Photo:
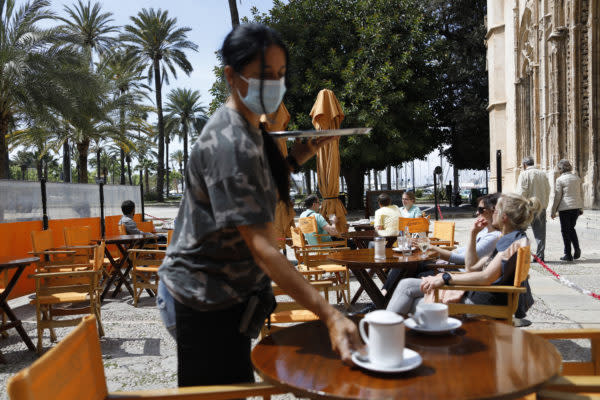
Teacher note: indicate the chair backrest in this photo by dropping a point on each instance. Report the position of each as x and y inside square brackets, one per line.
[315, 257]
[146, 226]
[41, 240]
[444, 230]
[99, 256]
[72, 369]
[122, 230]
[415, 225]
[77, 235]
[169, 236]
[297, 238]
[523, 265]
[308, 224]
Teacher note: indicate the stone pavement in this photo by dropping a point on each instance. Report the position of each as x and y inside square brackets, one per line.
[138, 353]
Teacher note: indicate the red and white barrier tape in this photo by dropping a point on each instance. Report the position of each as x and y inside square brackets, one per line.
[152, 216]
[440, 211]
[565, 281]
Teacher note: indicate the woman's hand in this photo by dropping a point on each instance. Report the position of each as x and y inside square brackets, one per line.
[303, 151]
[478, 225]
[429, 283]
[343, 336]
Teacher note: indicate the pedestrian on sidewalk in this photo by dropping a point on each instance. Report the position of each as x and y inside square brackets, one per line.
[534, 183]
[568, 201]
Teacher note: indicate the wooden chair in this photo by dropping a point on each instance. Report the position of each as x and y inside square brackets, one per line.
[309, 225]
[146, 226]
[504, 312]
[578, 380]
[57, 259]
[66, 287]
[443, 231]
[316, 260]
[286, 312]
[415, 225]
[73, 369]
[122, 230]
[144, 273]
[78, 238]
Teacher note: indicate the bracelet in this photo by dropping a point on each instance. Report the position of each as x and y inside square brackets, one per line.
[293, 163]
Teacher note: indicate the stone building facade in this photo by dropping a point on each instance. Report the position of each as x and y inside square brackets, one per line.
[544, 84]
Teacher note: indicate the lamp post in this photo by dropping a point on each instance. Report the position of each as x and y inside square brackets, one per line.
[437, 171]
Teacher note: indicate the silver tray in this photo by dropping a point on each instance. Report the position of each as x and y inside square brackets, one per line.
[326, 132]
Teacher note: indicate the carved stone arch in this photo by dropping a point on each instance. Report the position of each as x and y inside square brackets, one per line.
[525, 92]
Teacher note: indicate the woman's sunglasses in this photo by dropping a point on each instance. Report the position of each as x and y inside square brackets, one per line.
[480, 210]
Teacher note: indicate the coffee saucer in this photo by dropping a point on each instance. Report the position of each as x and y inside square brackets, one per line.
[411, 360]
[399, 249]
[451, 324]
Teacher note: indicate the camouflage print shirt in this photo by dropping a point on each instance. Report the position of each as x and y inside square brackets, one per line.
[228, 183]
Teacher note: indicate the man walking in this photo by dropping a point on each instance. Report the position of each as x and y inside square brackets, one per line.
[534, 183]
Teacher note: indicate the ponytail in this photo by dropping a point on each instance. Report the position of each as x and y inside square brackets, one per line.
[278, 165]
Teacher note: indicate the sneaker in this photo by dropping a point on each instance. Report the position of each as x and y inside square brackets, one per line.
[566, 257]
[577, 254]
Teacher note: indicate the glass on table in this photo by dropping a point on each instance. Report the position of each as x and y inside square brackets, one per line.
[372, 220]
[423, 244]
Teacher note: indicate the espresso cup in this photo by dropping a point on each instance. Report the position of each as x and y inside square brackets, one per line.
[385, 341]
[432, 315]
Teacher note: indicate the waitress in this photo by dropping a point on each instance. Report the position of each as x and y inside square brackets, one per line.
[224, 253]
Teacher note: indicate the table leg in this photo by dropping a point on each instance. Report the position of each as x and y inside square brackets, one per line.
[123, 277]
[15, 322]
[366, 283]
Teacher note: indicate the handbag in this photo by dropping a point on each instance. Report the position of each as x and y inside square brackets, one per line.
[259, 307]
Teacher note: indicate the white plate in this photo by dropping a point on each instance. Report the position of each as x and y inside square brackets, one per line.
[325, 132]
[411, 360]
[451, 324]
[399, 249]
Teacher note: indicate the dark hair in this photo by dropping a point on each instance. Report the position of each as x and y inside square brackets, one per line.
[384, 199]
[243, 45]
[127, 207]
[489, 200]
[411, 195]
[310, 200]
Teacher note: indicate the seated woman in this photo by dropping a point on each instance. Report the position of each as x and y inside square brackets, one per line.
[512, 215]
[410, 210]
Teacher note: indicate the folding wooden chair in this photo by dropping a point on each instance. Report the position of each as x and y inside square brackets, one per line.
[73, 369]
[503, 312]
[415, 225]
[144, 273]
[66, 287]
[578, 380]
[443, 234]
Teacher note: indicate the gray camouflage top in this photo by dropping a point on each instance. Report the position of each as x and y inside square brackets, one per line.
[228, 183]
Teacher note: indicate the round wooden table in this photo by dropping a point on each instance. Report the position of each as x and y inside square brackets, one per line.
[364, 265]
[19, 264]
[480, 360]
[362, 238]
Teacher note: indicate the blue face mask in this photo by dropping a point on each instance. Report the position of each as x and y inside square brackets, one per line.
[273, 91]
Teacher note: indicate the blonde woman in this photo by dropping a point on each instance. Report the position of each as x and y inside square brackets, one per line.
[512, 216]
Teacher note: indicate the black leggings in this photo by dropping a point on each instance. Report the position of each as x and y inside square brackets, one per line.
[210, 348]
[568, 219]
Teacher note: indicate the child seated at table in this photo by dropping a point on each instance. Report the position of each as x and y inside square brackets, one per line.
[128, 209]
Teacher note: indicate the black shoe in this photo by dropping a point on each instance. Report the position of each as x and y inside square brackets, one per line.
[577, 254]
[534, 260]
[566, 257]
[367, 309]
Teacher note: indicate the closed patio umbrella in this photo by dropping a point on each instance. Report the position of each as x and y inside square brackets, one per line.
[327, 114]
[284, 213]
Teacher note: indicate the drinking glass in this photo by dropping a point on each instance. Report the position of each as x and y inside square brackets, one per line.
[424, 246]
[406, 246]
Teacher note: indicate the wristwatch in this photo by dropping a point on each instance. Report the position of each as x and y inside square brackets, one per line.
[446, 277]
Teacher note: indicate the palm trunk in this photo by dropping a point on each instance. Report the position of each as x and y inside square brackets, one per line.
[167, 164]
[128, 159]
[46, 171]
[98, 174]
[4, 168]
[147, 180]
[122, 132]
[66, 162]
[185, 146]
[82, 151]
[23, 172]
[376, 179]
[39, 170]
[122, 169]
[160, 178]
[388, 176]
[233, 11]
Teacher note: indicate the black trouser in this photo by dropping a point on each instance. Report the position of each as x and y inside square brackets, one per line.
[210, 348]
[568, 219]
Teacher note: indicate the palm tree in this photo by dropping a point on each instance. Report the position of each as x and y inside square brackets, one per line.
[87, 30]
[156, 39]
[233, 11]
[35, 75]
[177, 156]
[184, 109]
[24, 159]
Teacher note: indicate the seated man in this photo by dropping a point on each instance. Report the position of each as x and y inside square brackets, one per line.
[386, 217]
[312, 205]
[512, 216]
[128, 209]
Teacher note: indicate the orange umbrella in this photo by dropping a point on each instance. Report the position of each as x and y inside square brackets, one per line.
[327, 114]
[284, 213]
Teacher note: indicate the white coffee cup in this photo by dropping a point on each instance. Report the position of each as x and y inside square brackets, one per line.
[385, 341]
[431, 315]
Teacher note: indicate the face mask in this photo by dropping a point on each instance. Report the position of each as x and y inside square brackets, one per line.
[273, 91]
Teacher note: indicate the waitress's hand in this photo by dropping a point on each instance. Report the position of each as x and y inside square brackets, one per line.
[303, 151]
[343, 336]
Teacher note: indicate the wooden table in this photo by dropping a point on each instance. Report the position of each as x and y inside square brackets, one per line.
[20, 264]
[363, 227]
[481, 360]
[361, 260]
[362, 238]
[123, 243]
